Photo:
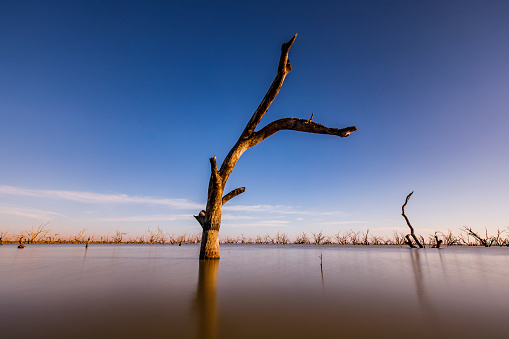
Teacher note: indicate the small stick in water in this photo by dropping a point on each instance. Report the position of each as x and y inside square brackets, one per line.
[321, 268]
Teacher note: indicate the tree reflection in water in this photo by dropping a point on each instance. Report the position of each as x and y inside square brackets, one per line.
[205, 301]
[425, 302]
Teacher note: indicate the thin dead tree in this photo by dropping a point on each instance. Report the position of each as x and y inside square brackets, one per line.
[35, 235]
[412, 232]
[482, 241]
[210, 218]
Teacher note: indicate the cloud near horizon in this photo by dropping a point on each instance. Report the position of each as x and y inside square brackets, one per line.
[148, 218]
[279, 209]
[98, 198]
[28, 212]
[262, 223]
[233, 213]
[119, 198]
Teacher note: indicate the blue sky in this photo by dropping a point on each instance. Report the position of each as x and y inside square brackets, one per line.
[109, 111]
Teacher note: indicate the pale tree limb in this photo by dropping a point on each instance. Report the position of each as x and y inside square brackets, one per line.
[412, 232]
[214, 171]
[214, 199]
[200, 217]
[233, 194]
[283, 69]
[300, 125]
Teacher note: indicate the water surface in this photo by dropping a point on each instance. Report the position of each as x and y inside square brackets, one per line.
[136, 291]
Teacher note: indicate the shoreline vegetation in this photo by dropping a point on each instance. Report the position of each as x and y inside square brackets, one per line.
[466, 237]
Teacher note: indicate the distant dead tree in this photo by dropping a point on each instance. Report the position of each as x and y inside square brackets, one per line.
[487, 241]
[210, 218]
[435, 241]
[35, 235]
[412, 232]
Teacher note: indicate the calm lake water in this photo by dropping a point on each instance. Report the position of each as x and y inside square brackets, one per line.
[254, 291]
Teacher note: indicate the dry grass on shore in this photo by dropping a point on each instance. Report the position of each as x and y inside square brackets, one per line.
[466, 237]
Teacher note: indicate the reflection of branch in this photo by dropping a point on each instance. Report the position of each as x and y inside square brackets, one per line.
[321, 269]
[412, 233]
[425, 302]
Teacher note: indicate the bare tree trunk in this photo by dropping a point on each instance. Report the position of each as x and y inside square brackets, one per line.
[210, 218]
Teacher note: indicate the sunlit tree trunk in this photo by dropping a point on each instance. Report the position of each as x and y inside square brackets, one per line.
[210, 218]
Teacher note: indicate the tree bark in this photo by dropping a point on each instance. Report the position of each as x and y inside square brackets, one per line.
[210, 218]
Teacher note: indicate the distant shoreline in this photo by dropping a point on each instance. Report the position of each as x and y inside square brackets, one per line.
[41, 235]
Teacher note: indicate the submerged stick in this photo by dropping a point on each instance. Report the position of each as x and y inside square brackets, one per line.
[21, 245]
[321, 268]
[438, 242]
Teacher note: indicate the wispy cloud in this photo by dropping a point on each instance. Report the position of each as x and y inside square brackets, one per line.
[98, 198]
[27, 212]
[278, 209]
[256, 208]
[275, 222]
[345, 222]
[149, 218]
[227, 216]
[262, 223]
[255, 215]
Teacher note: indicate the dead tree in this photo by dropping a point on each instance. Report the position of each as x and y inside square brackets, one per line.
[486, 242]
[412, 233]
[210, 218]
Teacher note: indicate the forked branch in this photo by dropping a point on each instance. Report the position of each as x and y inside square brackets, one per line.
[283, 69]
[250, 138]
